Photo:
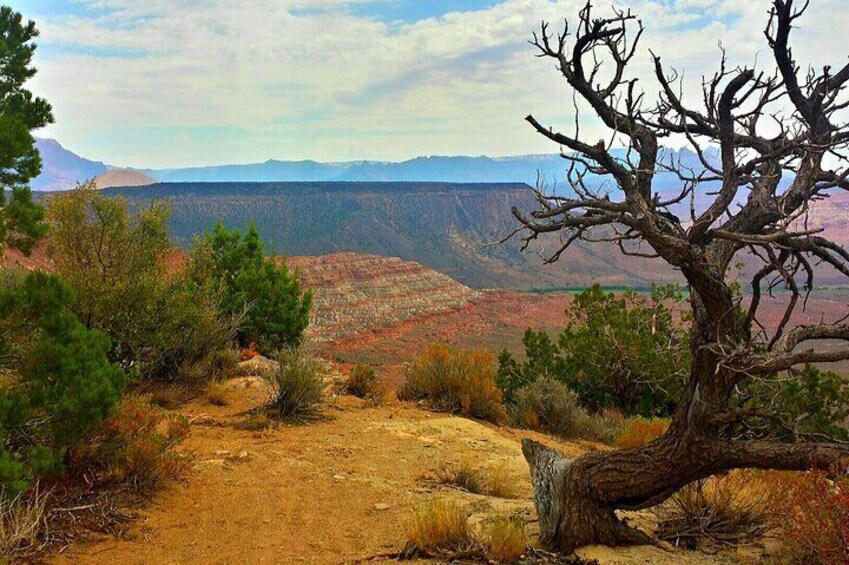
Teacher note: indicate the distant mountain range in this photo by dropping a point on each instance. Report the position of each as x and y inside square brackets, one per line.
[398, 209]
[63, 169]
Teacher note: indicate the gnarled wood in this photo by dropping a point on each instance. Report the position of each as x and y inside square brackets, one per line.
[569, 514]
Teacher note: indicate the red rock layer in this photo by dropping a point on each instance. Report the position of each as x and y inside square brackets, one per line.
[355, 293]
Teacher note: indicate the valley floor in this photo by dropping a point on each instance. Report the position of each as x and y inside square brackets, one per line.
[329, 492]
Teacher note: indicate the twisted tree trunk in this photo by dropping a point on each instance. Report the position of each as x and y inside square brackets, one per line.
[577, 499]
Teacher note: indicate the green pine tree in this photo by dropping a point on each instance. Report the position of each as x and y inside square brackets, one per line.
[274, 309]
[21, 222]
[63, 383]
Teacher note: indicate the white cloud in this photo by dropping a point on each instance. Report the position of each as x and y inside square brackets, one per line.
[201, 82]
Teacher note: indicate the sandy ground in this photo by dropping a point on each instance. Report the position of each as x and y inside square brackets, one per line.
[328, 492]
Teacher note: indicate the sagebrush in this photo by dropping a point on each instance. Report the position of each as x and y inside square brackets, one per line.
[549, 405]
[297, 386]
[457, 381]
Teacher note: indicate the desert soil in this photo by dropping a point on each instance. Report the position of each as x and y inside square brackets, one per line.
[328, 492]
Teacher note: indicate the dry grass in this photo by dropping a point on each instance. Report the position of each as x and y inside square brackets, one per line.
[507, 540]
[223, 364]
[361, 381]
[256, 422]
[456, 381]
[495, 481]
[215, 366]
[168, 397]
[811, 510]
[500, 483]
[216, 394]
[134, 447]
[637, 432]
[379, 396]
[465, 476]
[21, 522]
[731, 510]
[438, 528]
[441, 529]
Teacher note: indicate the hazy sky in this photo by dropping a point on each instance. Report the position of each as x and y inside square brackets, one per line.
[159, 83]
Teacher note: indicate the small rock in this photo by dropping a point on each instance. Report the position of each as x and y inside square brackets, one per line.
[213, 462]
[339, 477]
[381, 506]
[259, 366]
[221, 453]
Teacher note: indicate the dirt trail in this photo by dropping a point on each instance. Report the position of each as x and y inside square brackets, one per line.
[324, 493]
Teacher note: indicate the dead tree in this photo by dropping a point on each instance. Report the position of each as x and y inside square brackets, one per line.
[769, 143]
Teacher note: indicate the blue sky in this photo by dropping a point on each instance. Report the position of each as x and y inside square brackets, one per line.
[167, 83]
[387, 10]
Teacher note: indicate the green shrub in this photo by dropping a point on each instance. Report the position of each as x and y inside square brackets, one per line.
[813, 403]
[186, 334]
[110, 259]
[622, 352]
[274, 310]
[297, 386]
[456, 381]
[62, 383]
[113, 261]
[548, 405]
[628, 353]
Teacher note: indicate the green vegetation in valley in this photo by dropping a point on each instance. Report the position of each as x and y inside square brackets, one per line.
[619, 351]
[627, 352]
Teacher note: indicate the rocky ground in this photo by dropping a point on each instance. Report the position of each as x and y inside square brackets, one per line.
[334, 491]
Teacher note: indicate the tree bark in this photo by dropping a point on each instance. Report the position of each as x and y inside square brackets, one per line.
[570, 515]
